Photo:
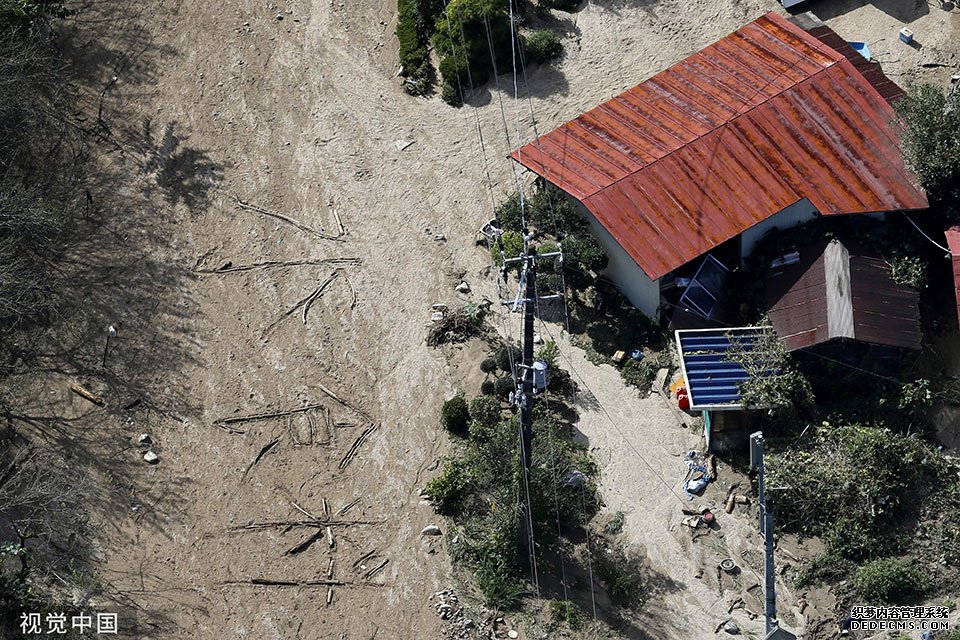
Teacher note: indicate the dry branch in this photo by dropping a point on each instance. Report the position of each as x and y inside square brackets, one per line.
[267, 582]
[279, 216]
[264, 450]
[224, 423]
[344, 403]
[306, 301]
[279, 264]
[314, 524]
[300, 547]
[369, 554]
[347, 507]
[377, 569]
[86, 395]
[352, 452]
[304, 511]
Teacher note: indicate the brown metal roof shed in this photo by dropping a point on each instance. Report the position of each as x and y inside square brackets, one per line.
[838, 293]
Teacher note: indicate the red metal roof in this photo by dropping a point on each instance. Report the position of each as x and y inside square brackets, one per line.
[715, 144]
[953, 243]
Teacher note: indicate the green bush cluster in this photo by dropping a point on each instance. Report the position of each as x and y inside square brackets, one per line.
[455, 415]
[485, 411]
[549, 214]
[566, 612]
[909, 269]
[542, 46]
[855, 485]
[415, 19]
[479, 489]
[640, 373]
[931, 143]
[507, 356]
[890, 581]
[448, 489]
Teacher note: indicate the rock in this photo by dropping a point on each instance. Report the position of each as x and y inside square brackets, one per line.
[144, 439]
[439, 237]
[512, 634]
[574, 479]
[431, 530]
[463, 287]
[151, 457]
[731, 628]
[537, 339]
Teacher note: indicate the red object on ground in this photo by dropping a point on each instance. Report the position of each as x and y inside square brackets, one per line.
[683, 401]
[726, 138]
[708, 517]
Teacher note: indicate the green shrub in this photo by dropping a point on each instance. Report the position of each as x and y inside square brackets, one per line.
[584, 252]
[615, 525]
[640, 373]
[508, 213]
[931, 142]
[512, 246]
[890, 581]
[485, 410]
[855, 484]
[488, 387]
[462, 31]
[549, 353]
[910, 270]
[566, 612]
[542, 46]
[450, 94]
[454, 416]
[414, 56]
[489, 365]
[447, 490]
[506, 356]
[504, 386]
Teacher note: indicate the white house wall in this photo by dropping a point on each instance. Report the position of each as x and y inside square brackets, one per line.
[640, 290]
[793, 215]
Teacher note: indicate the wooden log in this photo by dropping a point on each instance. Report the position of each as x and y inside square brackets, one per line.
[85, 394]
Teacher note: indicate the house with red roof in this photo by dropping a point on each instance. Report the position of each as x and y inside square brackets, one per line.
[683, 175]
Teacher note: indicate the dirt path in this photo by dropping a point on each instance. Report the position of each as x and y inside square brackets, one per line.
[294, 108]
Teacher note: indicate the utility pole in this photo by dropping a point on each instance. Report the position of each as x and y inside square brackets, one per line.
[771, 626]
[528, 300]
[526, 391]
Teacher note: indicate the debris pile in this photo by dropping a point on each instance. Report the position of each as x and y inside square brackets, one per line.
[464, 624]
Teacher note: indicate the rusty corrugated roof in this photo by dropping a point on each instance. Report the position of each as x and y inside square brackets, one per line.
[715, 144]
[953, 243]
[836, 292]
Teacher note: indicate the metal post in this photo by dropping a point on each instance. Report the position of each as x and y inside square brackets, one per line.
[769, 575]
[526, 397]
[756, 462]
[111, 333]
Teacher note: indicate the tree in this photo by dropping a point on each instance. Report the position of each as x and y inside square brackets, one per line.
[931, 142]
[775, 381]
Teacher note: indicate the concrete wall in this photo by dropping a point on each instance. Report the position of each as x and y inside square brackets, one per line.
[640, 290]
[792, 216]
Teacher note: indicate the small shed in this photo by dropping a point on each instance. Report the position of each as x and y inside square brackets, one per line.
[712, 379]
[842, 292]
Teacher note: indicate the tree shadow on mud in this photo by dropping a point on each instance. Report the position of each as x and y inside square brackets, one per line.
[620, 589]
[117, 267]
